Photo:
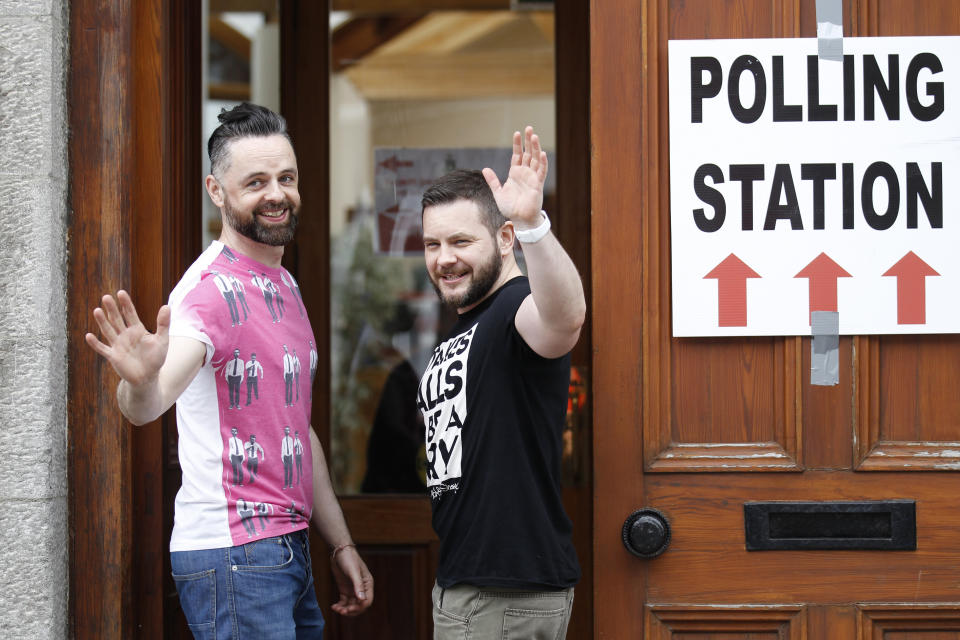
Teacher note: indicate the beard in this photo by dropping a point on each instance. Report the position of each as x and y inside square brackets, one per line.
[483, 278]
[273, 234]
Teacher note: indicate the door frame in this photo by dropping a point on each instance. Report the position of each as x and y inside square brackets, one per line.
[134, 88]
[306, 102]
[623, 186]
[134, 95]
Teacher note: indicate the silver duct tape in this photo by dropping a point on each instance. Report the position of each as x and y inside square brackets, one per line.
[825, 348]
[830, 29]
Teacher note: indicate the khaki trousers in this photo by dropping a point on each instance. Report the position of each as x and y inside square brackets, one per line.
[465, 612]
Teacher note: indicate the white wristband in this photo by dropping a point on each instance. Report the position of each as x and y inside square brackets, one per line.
[529, 236]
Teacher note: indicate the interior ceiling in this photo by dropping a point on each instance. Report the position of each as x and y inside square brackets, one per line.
[459, 54]
[437, 55]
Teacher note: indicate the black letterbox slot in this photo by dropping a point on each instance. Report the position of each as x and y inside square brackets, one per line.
[871, 525]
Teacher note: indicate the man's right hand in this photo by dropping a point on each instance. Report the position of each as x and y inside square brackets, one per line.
[133, 352]
[154, 369]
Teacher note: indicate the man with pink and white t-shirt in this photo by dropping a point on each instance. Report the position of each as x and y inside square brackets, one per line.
[235, 579]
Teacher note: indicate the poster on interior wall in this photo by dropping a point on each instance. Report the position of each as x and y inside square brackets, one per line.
[801, 184]
[402, 174]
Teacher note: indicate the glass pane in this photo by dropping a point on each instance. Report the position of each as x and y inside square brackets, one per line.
[241, 50]
[414, 98]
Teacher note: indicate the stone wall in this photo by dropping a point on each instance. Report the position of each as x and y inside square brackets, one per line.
[33, 290]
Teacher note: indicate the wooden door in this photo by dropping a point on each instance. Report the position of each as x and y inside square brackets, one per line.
[696, 428]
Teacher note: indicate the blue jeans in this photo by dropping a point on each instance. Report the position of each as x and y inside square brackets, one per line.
[262, 589]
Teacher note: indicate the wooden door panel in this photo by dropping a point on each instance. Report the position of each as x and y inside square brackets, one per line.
[908, 421]
[721, 389]
[707, 560]
[899, 622]
[908, 18]
[734, 407]
[836, 621]
[796, 622]
[828, 414]
[918, 407]
[801, 576]
[773, 622]
[696, 19]
[723, 404]
[915, 634]
[730, 404]
[403, 574]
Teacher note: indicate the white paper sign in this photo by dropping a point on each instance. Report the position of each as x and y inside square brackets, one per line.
[799, 184]
[402, 174]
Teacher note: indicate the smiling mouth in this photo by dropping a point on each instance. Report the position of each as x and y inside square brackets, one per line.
[273, 215]
[452, 278]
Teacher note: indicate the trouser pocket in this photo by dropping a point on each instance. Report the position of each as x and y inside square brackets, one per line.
[452, 609]
[533, 624]
[198, 600]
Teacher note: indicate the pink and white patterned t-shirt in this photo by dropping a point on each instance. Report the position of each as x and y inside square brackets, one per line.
[244, 421]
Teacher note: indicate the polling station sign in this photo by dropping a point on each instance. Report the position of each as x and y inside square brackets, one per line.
[802, 184]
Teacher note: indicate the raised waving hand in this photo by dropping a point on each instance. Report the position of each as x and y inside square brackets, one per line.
[133, 352]
[520, 197]
[154, 369]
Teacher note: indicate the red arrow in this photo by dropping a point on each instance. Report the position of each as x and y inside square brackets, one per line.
[911, 272]
[731, 276]
[393, 163]
[823, 273]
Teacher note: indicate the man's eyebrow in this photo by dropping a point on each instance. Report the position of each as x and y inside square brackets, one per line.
[254, 174]
[456, 235]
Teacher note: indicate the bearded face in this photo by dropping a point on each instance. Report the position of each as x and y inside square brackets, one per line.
[260, 226]
[480, 280]
[464, 258]
[257, 189]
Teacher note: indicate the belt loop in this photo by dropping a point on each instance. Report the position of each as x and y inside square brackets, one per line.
[442, 591]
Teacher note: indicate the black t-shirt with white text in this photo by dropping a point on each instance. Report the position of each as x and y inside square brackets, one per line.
[494, 415]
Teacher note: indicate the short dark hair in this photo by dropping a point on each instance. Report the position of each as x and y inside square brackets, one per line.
[245, 120]
[465, 184]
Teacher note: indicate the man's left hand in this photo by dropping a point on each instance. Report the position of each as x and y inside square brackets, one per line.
[520, 198]
[353, 581]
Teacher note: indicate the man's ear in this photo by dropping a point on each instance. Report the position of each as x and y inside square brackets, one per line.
[506, 238]
[214, 190]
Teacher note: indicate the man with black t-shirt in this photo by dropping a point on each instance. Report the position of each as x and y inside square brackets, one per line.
[494, 398]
